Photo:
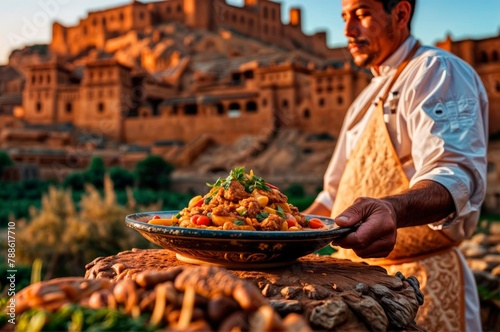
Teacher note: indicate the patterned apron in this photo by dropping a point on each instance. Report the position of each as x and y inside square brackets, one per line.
[427, 254]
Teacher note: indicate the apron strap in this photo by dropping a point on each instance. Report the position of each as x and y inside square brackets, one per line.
[401, 67]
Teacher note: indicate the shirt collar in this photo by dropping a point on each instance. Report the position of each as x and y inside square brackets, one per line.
[392, 62]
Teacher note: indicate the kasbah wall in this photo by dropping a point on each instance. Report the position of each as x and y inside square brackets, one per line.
[108, 98]
[170, 71]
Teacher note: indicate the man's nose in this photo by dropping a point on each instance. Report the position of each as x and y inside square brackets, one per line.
[350, 28]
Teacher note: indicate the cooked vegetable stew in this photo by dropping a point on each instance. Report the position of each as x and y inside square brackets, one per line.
[241, 201]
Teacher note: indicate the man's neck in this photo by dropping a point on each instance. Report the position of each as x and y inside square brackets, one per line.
[396, 46]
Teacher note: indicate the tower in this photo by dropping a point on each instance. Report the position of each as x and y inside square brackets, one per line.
[249, 3]
[41, 92]
[106, 97]
[296, 17]
[59, 38]
[199, 13]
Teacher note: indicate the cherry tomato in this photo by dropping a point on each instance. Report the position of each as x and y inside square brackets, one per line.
[200, 219]
[290, 220]
[204, 220]
[315, 223]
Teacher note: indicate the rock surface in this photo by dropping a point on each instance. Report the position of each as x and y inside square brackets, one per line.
[328, 293]
[184, 298]
[482, 253]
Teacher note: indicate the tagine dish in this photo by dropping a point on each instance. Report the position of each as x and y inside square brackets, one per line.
[241, 222]
[241, 201]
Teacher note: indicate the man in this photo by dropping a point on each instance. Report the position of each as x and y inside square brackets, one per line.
[410, 162]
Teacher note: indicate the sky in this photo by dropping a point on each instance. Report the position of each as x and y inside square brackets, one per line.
[27, 22]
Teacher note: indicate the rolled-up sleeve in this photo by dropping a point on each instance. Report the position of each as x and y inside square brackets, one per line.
[447, 124]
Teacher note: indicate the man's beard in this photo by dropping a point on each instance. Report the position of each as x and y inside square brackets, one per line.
[364, 61]
[368, 60]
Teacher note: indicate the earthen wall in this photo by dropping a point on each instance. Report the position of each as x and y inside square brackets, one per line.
[167, 11]
[260, 20]
[106, 93]
[224, 128]
[312, 101]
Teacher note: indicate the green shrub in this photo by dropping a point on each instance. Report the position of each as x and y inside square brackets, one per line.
[295, 190]
[66, 239]
[5, 161]
[301, 203]
[95, 172]
[74, 181]
[145, 197]
[153, 173]
[173, 201]
[121, 178]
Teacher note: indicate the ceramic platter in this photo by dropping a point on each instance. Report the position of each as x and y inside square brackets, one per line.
[235, 249]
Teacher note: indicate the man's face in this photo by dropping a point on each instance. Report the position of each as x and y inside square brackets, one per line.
[371, 32]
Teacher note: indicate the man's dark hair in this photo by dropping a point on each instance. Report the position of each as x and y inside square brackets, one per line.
[390, 4]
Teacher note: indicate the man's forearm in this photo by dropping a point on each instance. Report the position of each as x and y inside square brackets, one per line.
[426, 202]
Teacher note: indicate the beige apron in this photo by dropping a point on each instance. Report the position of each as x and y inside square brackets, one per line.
[374, 170]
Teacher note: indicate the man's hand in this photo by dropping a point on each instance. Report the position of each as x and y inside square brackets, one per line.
[376, 236]
[426, 202]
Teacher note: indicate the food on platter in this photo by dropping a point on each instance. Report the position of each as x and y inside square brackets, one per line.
[241, 201]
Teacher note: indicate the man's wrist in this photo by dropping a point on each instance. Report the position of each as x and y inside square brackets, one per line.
[391, 204]
[425, 203]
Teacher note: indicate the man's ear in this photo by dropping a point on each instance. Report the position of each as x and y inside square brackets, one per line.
[403, 13]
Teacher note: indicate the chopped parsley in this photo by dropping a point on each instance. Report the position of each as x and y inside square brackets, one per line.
[217, 183]
[281, 212]
[249, 181]
[261, 216]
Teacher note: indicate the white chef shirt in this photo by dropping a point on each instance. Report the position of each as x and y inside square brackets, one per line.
[441, 123]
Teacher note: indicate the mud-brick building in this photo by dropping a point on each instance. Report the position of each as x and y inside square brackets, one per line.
[257, 19]
[97, 97]
[225, 100]
[49, 95]
[11, 88]
[148, 73]
[250, 99]
[204, 84]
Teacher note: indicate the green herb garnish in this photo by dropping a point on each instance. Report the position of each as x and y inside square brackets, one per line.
[250, 182]
[281, 212]
[217, 183]
[261, 216]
